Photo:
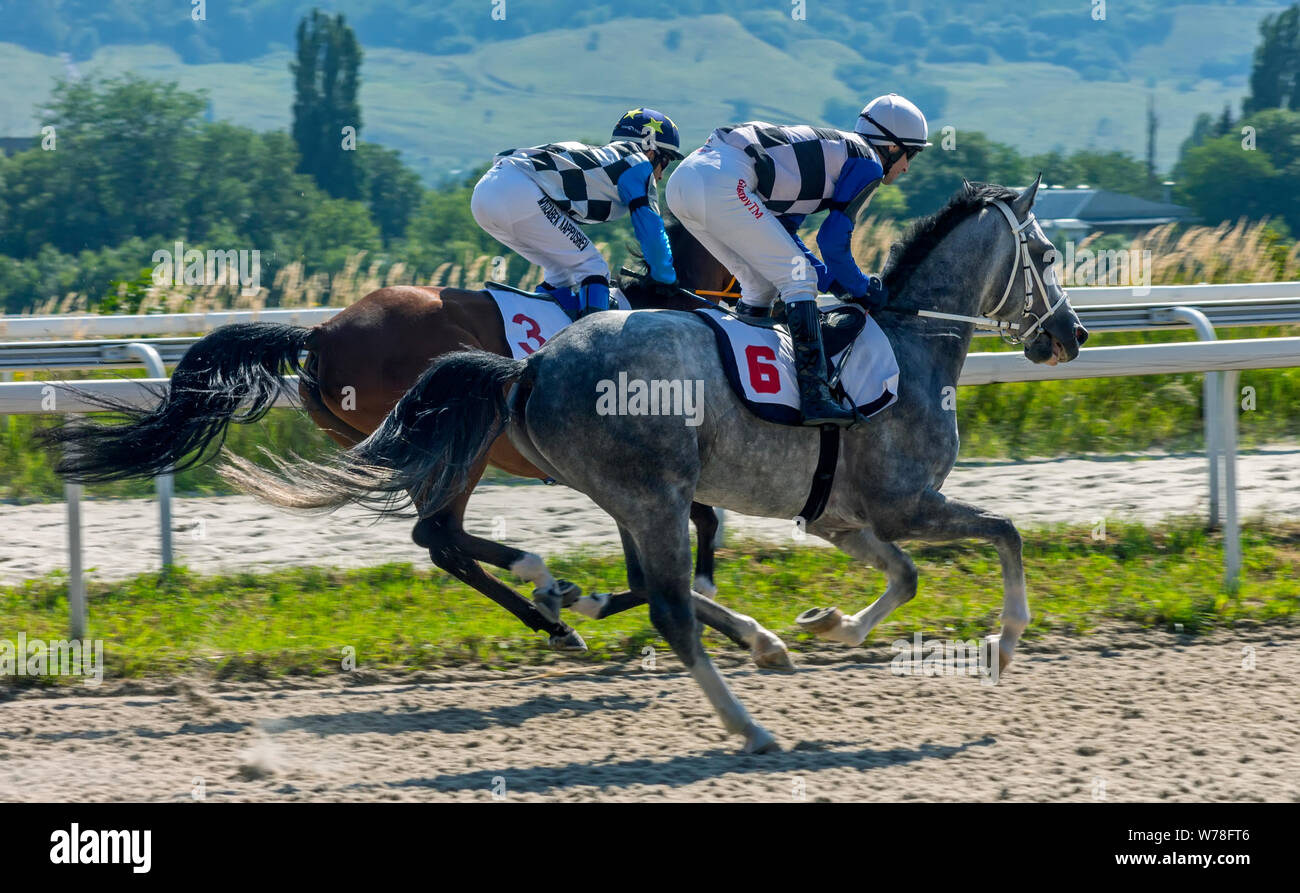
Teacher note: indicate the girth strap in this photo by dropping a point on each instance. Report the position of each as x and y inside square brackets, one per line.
[824, 476]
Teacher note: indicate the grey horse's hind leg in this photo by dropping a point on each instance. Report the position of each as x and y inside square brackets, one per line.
[830, 623]
[766, 649]
[663, 544]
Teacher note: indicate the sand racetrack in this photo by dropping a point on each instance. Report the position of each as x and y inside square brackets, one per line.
[1124, 714]
[238, 533]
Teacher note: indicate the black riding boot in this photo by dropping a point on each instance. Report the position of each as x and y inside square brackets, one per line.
[819, 408]
[751, 311]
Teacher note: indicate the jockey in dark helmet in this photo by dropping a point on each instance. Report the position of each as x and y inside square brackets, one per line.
[532, 200]
[744, 194]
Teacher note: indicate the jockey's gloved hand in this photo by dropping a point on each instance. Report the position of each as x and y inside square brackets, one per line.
[834, 288]
[663, 290]
[875, 297]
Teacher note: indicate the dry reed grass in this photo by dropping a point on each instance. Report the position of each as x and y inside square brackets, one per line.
[1241, 252]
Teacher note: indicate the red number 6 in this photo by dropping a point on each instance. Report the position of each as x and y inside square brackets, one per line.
[764, 374]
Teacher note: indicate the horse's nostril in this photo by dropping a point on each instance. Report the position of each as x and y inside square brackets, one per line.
[1081, 335]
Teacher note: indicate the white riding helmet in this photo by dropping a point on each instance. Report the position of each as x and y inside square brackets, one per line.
[893, 119]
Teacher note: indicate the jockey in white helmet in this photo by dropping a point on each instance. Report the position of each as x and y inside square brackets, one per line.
[745, 192]
[532, 201]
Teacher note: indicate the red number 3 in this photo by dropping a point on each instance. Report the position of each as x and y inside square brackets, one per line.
[764, 374]
[533, 333]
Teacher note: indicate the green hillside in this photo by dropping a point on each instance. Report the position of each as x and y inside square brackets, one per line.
[450, 112]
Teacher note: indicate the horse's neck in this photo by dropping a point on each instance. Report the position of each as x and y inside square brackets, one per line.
[943, 343]
[949, 282]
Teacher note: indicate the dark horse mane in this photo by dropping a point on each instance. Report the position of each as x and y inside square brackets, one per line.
[924, 234]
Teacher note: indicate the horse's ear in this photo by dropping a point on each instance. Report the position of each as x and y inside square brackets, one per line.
[965, 184]
[1025, 201]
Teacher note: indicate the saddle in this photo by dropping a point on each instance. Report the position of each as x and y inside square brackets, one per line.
[758, 360]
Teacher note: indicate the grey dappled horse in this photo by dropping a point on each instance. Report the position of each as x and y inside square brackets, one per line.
[645, 470]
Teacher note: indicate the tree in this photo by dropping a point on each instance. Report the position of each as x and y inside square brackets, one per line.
[1221, 182]
[335, 229]
[1114, 170]
[936, 174]
[326, 81]
[392, 190]
[1275, 77]
[1226, 179]
[122, 167]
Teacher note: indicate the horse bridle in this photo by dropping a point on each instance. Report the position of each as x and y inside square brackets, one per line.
[1031, 276]
[1012, 332]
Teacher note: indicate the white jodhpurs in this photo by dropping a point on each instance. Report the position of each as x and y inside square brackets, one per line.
[512, 209]
[711, 193]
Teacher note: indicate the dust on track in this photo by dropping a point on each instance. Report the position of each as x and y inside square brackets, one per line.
[1122, 714]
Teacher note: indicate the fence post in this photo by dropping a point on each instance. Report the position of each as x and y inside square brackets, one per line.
[1212, 389]
[76, 577]
[164, 482]
[1231, 531]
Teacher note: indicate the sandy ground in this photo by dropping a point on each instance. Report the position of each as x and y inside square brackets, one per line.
[1121, 715]
[238, 533]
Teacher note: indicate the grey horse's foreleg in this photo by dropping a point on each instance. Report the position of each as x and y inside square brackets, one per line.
[939, 519]
[830, 623]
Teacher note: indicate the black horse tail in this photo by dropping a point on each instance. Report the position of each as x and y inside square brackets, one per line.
[424, 449]
[235, 366]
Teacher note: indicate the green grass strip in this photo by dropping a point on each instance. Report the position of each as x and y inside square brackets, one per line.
[299, 621]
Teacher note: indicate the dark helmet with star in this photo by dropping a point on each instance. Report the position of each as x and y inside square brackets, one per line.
[652, 130]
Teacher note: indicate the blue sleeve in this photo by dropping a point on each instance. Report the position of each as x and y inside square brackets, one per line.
[791, 222]
[636, 189]
[857, 181]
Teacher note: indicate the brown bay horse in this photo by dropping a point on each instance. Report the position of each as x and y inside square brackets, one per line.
[358, 364]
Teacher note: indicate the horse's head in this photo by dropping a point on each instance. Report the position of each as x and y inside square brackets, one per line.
[1025, 295]
[1012, 281]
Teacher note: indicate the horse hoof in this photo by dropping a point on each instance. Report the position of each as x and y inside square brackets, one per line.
[771, 654]
[820, 621]
[705, 587]
[760, 740]
[570, 642]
